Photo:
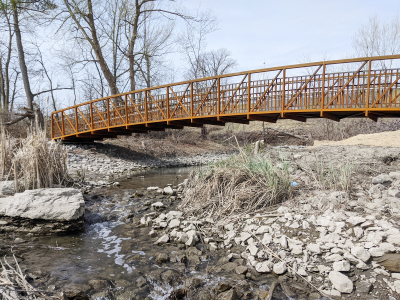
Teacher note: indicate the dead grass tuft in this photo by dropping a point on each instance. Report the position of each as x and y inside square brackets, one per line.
[33, 162]
[243, 184]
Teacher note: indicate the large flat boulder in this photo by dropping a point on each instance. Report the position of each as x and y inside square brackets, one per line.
[58, 204]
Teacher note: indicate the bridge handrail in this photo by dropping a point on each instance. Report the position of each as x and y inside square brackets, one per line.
[363, 91]
[286, 67]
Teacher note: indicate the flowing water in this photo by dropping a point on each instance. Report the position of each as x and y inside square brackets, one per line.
[113, 248]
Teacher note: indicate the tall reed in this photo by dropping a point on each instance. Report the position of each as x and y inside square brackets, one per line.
[32, 162]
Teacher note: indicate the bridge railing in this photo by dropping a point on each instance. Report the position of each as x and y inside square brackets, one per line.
[271, 92]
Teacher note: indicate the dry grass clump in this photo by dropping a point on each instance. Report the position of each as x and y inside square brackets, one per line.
[32, 162]
[337, 177]
[240, 185]
[7, 147]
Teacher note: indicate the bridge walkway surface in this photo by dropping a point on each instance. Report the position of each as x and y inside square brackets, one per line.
[298, 92]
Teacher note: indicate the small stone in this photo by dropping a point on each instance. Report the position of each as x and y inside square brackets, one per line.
[253, 249]
[162, 258]
[229, 295]
[163, 240]
[297, 249]
[158, 205]
[283, 241]
[213, 246]
[267, 239]
[244, 236]
[280, 268]
[169, 191]
[222, 287]
[376, 252]
[382, 179]
[152, 188]
[182, 237]
[262, 229]
[393, 239]
[241, 270]
[334, 257]
[394, 175]
[98, 284]
[394, 193]
[194, 283]
[263, 267]
[341, 282]
[152, 233]
[358, 232]
[323, 269]
[295, 225]
[396, 275]
[174, 223]
[302, 272]
[360, 253]
[341, 266]
[306, 225]
[363, 287]
[191, 241]
[314, 248]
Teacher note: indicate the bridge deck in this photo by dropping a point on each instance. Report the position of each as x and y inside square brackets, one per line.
[261, 95]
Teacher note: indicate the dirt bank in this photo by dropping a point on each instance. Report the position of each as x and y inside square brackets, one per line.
[381, 139]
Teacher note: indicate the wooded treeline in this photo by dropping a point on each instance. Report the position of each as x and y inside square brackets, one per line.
[56, 53]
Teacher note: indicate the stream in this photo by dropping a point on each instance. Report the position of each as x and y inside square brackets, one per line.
[115, 259]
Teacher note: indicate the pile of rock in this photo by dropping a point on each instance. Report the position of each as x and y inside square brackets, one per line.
[336, 250]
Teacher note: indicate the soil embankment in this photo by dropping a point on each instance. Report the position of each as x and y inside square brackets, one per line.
[381, 139]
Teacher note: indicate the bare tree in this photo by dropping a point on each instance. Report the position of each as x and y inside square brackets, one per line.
[193, 43]
[5, 60]
[114, 31]
[84, 17]
[16, 8]
[216, 62]
[376, 38]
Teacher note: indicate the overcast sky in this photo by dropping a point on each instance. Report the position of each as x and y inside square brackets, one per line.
[284, 32]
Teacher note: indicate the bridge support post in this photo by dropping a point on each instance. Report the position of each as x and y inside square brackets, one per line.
[283, 90]
[168, 102]
[368, 86]
[248, 93]
[219, 94]
[76, 120]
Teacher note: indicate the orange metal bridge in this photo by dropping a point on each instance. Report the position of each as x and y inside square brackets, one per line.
[313, 90]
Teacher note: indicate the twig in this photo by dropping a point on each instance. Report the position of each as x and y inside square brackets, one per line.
[287, 133]
[271, 289]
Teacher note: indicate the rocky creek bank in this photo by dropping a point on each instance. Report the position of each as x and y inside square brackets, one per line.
[116, 258]
[139, 244]
[337, 253]
[100, 163]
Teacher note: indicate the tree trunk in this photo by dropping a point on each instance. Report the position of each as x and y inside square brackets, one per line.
[132, 43]
[21, 57]
[111, 80]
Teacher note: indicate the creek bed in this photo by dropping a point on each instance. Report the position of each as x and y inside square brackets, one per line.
[115, 259]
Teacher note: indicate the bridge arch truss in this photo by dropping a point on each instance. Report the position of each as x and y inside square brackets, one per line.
[298, 92]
